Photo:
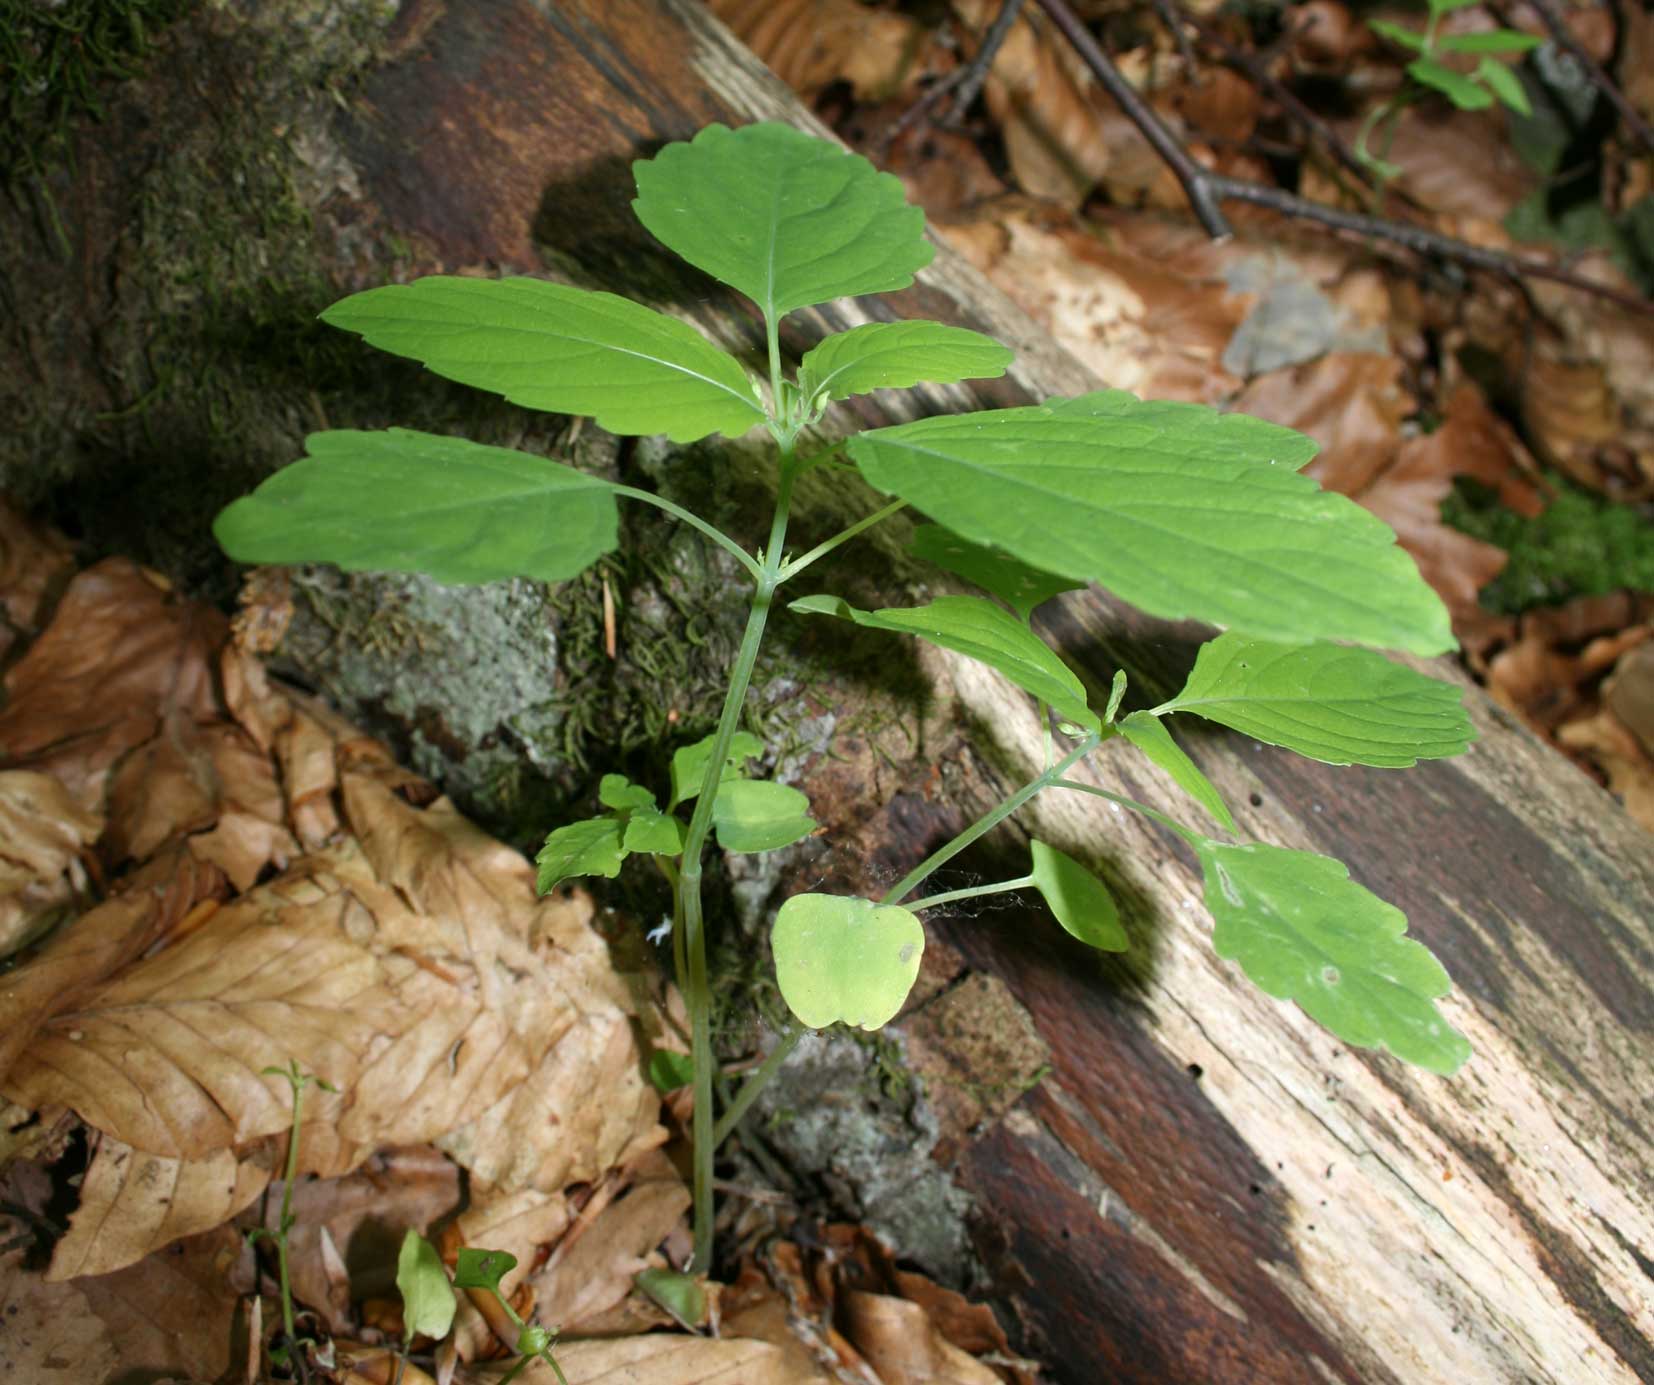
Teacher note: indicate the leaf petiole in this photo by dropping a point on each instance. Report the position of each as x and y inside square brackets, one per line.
[757, 1080]
[1191, 837]
[689, 517]
[990, 820]
[952, 896]
[821, 550]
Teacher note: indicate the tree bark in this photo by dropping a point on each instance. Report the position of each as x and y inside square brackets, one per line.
[1205, 1186]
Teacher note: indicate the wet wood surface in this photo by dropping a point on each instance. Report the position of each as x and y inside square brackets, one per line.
[1207, 1187]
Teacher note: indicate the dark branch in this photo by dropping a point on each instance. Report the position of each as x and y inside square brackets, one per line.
[1564, 40]
[1207, 191]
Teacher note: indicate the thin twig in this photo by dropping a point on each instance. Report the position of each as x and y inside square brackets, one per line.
[1207, 190]
[1174, 20]
[1600, 79]
[1248, 65]
[965, 82]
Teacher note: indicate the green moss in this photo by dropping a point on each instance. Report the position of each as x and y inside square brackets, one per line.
[1581, 545]
[57, 62]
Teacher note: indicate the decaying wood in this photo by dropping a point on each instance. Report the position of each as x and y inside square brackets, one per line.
[1207, 1187]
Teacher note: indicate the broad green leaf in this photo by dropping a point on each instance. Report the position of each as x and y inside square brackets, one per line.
[689, 763]
[1302, 930]
[653, 832]
[669, 1071]
[570, 351]
[976, 627]
[617, 791]
[839, 958]
[1407, 38]
[1456, 87]
[679, 1294]
[1343, 706]
[1010, 579]
[427, 1297]
[787, 219]
[401, 501]
[1143, 730]
[591, 847]
[483, 1269]
[758, 815]
[1080, 901]
[1179, 509]
[1504, 84]
[1499, 41]
[895, 355]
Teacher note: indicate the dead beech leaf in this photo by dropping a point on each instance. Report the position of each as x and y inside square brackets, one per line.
[588, 1280]
[655, 1359]
[1351, 403]
[43, 832]
[34, 560]
[171, 1314]
[810, 44]
[360, 1217]
[1472, 442]
[132, 1204]
[1060, 129]
[82, 955]
[1572, 414]
[1136, 323]
[1629, 693]
[903, 1346]
[1629, 767]
[119, 653]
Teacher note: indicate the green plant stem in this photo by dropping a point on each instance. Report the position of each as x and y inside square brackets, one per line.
[697, 994]
[930, 901]
[821, 550]
[712, 531]
[290, 1173]
[990, 820]
[1131, 803]
[757, 1080]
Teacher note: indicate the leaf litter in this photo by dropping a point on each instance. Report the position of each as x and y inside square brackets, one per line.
[206, 874]
[1414, 381]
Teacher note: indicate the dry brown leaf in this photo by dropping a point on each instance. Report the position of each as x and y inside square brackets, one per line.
[1629, 693]
[1472, 442]
[1546, 675]
[656, 1359]
[904, 1347]
[34, 561]
[43, 834]
[358, 1221]
[120, 653]
[590, 1276]
[1351, 403]
[133, 1203]
[1059, 128]
[171, 1314]
[81, 956]
[943, 170]
[1136, 323]
[810, 44]
[1629, 767]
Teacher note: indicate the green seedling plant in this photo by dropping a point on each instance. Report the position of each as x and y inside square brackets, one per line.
[1491, 80]
[1178, 509]
[286, 1352]
[428, 1298]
